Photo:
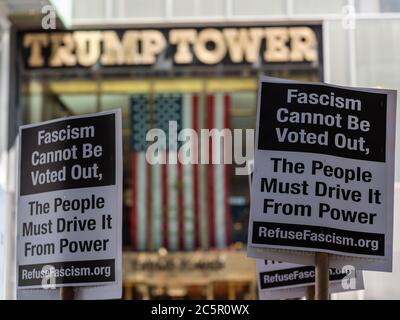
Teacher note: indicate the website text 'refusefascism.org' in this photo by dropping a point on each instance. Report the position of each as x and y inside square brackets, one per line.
[67, 272]
[295, 276]
[318, 237]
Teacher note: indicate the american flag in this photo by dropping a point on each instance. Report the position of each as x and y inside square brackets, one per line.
[178, 206]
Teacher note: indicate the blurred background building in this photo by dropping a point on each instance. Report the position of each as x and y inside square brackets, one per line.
[196, 62]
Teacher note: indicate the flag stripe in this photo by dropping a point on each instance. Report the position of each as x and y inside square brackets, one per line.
[210, 174]
[181, 216]
[164, 188]
[227, 168]
[218, 149]
[156, 207]
[203, 194]
[173, 207]
[196, 189]
[149, 198]
[187, 186]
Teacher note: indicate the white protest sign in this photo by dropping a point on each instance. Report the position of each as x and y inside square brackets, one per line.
[282, 280]
[69, 218]
[324, 174]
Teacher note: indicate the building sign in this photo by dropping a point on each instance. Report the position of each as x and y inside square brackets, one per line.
[188, 266]
[70, 203]
[180, 263]
[323, 174]
[177, 46]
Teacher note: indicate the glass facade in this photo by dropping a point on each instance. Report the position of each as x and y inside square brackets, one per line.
[48, 97]
[150, 224]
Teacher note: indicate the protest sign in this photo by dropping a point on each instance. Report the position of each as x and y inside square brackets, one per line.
[324, 174]
[70, 206]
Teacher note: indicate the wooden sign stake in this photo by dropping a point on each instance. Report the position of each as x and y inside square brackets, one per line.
[67, 293]
[321, 276]
[310, 293]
